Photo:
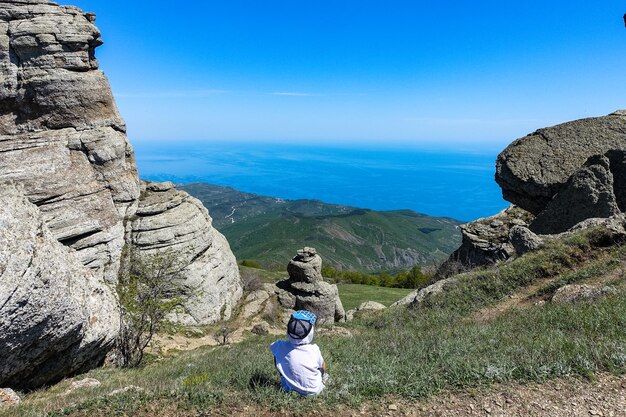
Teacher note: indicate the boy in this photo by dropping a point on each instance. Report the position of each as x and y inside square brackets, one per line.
[299, 363]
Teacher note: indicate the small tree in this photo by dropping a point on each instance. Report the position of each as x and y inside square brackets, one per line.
[150, 287]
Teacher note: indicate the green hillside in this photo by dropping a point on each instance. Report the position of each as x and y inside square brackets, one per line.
[270, 230]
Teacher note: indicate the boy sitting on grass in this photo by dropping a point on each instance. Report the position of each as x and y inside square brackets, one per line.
[299, 363]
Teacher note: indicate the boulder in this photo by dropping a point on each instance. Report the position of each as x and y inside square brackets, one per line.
[485, 241]
[574, 293]
[61, 136]
[63, 141]
[368, 306]
[57, 316]
[419, 296]
[305, 289]
[306, 266]
[169, 219]
[8, 398]
[524, 240]
[536, 167]
[587, 194]
[254, 303]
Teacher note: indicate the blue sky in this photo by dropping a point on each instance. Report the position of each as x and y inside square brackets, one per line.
[343, 71]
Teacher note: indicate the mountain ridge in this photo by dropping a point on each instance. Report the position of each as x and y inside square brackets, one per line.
[269, 229]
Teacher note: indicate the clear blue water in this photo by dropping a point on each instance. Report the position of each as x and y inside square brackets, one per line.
[436, 182]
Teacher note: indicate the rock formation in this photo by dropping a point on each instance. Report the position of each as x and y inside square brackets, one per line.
[306, 289]
[61, 136]
[64, 143]
[534, 168]
[56, 316]
[168, 219]
[587, 194]
[485, 241]
[559, 177]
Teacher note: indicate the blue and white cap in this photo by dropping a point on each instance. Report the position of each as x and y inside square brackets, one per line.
[300, 324]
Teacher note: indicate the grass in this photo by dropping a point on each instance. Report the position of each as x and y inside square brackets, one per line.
[352, 295]
[407, 353]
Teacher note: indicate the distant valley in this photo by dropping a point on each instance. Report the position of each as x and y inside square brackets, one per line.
[270, 230]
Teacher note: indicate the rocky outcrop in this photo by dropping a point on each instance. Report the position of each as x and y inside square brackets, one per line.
[56, 316]
[558, 177]
[587, 194]
[168, 219]
[61, 136]
[536, 167]
[306, 289]
[63, 141]
[485, 241]
[417, 297]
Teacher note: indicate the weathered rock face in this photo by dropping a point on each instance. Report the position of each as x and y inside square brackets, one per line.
[61, 136]
[534, 168]
[56, 315]
[524, 240]
[561, 176]
[485, 241]
[63, 142]
[587, 194]
[306, 289]
[168, 219]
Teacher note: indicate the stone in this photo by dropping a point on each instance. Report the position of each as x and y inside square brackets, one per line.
[169, 219]
[261, 329]
[83, 383]
[61, 136]
[536, 167]
[587, 194]
[485, 241]
[306, 266]
[8, 398]
[417, 297]
[574, 293]
[253, 304]
[367, 306]
[57, 316]
[305, 289]
[524, 240]
[63, 141]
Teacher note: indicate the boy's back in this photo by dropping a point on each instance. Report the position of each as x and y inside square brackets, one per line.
[300, 366]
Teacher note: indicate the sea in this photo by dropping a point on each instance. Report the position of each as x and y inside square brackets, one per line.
[449, 182]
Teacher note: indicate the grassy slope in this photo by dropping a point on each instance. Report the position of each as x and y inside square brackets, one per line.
[352, 295]
[403, 352]
[271, 230]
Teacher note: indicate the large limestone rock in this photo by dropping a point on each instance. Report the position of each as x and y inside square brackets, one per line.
[587, 194]
[306, 289]
[534, 168]
[61, 136]
[63, 141]
[168, 219]
[56, 315]
[485, 241]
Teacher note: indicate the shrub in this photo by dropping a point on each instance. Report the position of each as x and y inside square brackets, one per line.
[150, 288]
[251, 263]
